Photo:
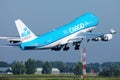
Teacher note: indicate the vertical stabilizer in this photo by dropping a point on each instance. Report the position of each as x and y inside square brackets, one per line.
[25, 33]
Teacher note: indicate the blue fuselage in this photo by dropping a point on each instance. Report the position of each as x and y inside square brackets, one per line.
[85, 21]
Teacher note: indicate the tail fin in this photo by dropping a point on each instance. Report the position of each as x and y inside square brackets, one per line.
[25, 33]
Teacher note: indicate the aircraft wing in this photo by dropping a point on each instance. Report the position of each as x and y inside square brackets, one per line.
[94, 37]
[89, 35]
[12, 39]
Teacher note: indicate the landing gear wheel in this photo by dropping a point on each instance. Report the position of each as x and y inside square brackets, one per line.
[66, 48]
[77, 45]
[57, 48]
[76, 48]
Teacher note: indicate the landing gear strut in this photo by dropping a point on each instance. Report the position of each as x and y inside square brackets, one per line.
[66, 48]
[77, 45]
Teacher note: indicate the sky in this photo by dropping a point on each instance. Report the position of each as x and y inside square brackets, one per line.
[42, 16]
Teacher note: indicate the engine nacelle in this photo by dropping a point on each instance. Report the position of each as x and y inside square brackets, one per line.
[107, 37]
[96, 39]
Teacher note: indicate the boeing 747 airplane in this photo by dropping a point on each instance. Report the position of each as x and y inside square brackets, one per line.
[57, 39]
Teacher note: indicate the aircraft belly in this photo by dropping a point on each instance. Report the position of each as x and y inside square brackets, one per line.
[66, 39]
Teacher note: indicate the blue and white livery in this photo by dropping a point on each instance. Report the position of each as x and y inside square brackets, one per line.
[73, 32]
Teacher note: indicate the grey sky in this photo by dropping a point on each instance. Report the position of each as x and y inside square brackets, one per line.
[44, 15]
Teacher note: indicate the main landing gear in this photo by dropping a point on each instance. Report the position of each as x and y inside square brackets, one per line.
[66, 48]
[77, 45]
[58, 48]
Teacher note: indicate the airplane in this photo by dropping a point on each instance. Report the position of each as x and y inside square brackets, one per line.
[59, 38]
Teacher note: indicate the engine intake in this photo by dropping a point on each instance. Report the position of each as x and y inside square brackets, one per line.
[107, 37]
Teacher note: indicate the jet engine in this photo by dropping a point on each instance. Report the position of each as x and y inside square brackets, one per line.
[96, 39]
[107, 37]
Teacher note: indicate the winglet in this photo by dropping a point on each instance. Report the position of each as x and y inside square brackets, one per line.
[25, 33]
[112, 31]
